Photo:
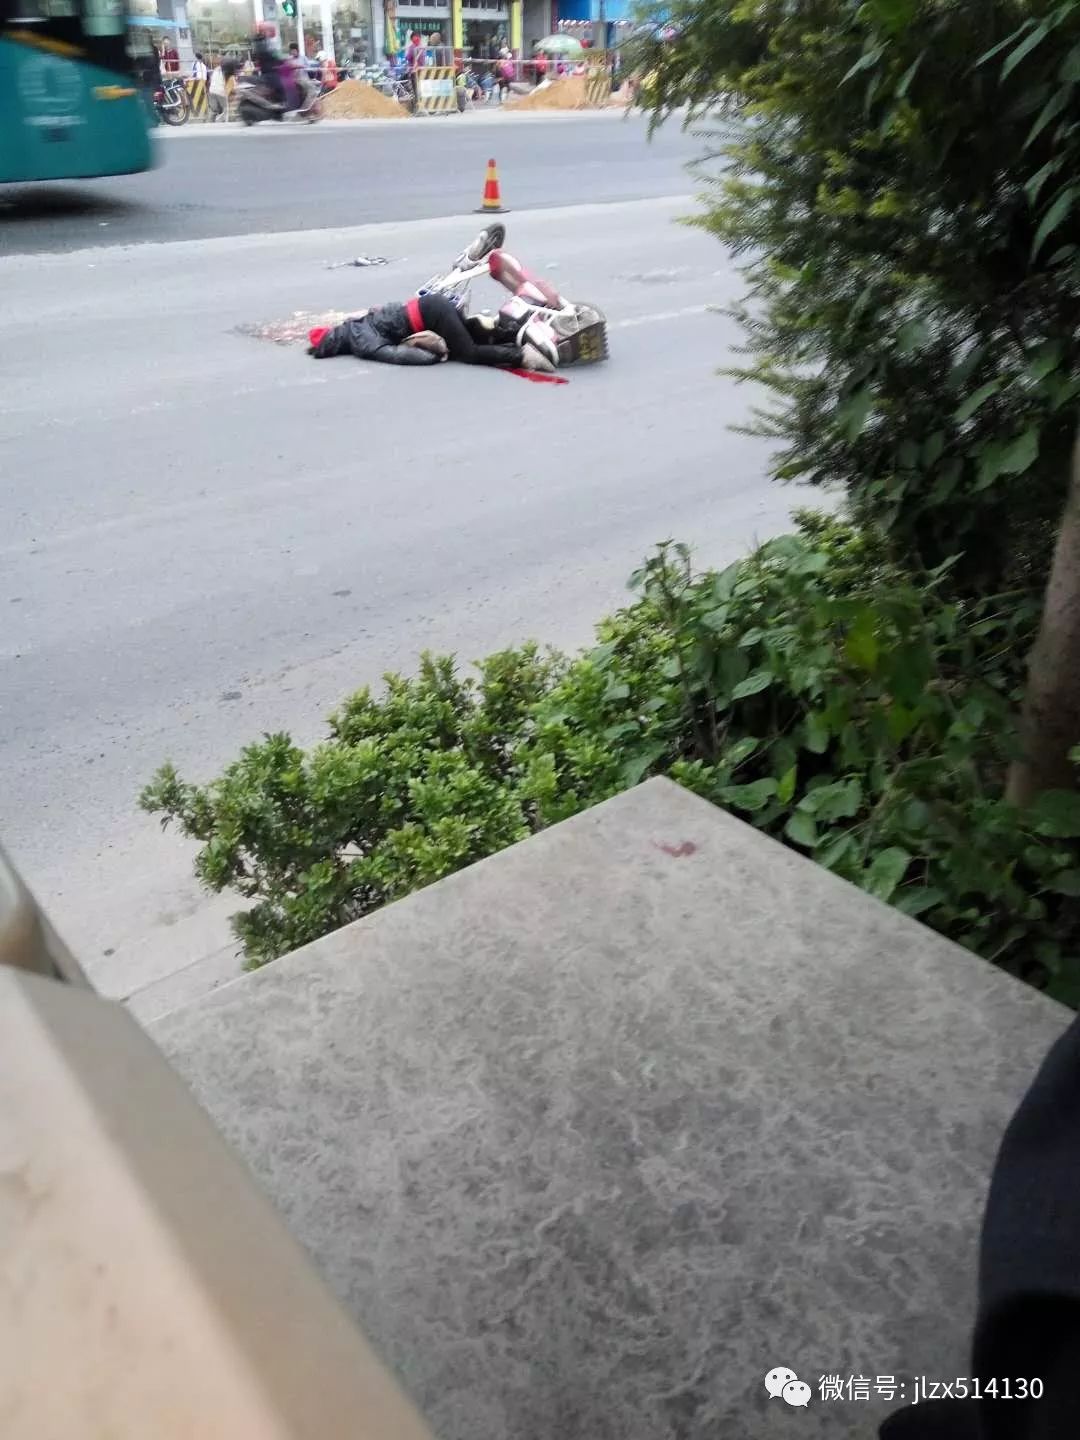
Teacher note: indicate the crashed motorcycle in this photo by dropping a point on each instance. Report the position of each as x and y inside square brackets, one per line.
[255, 102]
[566, 331]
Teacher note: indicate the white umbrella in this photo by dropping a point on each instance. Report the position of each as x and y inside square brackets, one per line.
[560, 45]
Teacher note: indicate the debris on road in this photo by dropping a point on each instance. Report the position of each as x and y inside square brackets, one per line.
[361, 262]
[293, 330]
[356, 100]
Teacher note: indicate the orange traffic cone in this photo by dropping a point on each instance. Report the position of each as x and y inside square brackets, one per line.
[492, 202]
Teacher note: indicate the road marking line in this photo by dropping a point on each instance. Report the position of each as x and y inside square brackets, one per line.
[661, 315]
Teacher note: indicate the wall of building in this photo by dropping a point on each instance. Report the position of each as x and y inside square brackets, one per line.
[536, 23]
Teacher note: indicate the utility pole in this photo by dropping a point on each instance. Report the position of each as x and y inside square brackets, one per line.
[300, 28]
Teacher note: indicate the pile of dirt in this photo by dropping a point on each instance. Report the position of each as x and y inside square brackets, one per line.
[354, 100]
[569, 93]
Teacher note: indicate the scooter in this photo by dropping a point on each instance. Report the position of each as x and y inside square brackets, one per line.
[254, 103]
[568, 332]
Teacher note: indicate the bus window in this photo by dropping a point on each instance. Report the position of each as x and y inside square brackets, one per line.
[103, 17]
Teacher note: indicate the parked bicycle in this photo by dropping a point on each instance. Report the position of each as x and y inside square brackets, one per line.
[172, 101]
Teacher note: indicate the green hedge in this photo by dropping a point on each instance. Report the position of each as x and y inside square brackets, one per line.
[854, 711]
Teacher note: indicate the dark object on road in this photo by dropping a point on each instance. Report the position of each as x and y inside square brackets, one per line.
[537, 331]
[394, 334]
[568, 332]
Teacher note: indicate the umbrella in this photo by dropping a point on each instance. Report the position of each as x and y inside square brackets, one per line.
[560, 45]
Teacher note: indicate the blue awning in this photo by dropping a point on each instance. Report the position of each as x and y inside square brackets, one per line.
[151, 22]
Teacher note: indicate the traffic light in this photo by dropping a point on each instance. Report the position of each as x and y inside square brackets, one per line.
[288, 8]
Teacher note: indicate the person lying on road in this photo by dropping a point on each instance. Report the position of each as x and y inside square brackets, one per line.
[409, 334]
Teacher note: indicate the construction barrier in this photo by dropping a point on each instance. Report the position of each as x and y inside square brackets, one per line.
[196, 90]
[436, 93]
[597, 85]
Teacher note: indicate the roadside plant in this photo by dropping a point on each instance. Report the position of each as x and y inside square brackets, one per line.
[856, 711]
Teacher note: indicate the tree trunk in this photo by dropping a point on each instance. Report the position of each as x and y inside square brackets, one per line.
[1050, 719]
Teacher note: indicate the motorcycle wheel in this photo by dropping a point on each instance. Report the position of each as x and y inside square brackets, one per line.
[246, 113]
[178, 112]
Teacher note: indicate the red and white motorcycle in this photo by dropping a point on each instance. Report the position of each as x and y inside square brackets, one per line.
[567, 332]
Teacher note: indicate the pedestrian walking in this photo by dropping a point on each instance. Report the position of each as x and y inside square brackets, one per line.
[505, 73]
[198, 68]
[301, 76]
[415, 56]
[218, 94]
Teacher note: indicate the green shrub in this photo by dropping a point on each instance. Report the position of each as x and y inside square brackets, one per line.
[852, 710]
[897, 179]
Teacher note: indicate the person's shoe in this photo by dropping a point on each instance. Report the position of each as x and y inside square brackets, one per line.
[533, 359]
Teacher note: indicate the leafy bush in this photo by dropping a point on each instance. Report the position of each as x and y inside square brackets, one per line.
[905, 207]
[898, 178]
[849, 708]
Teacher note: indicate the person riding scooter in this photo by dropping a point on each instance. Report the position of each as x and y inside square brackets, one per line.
[268, 60]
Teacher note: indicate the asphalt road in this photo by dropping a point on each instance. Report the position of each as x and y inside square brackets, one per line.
[204, 535]
[296, 177]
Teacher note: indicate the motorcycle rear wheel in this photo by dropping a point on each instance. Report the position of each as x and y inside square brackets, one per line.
[178, 110]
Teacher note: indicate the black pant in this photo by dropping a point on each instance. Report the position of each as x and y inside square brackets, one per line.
[274, 86]
[442, 316]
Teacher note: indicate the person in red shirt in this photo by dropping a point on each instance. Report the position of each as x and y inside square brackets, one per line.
[414, 60]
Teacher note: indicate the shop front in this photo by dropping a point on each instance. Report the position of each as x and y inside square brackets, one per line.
[354, 32]
[537, 23]
[431, 20]
[475, 28]
[486, 28]
[601, 22]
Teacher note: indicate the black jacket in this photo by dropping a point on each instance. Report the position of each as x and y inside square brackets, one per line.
[1028, 1322]
[378, 335]
[265, 55]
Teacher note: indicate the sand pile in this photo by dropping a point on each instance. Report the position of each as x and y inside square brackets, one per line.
[566, 94]
[354, 100]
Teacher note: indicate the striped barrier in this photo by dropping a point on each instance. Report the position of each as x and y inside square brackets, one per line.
[196, 90]
[436, 92]
[597, 85]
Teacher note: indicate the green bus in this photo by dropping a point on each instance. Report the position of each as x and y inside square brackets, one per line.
[69, 105]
